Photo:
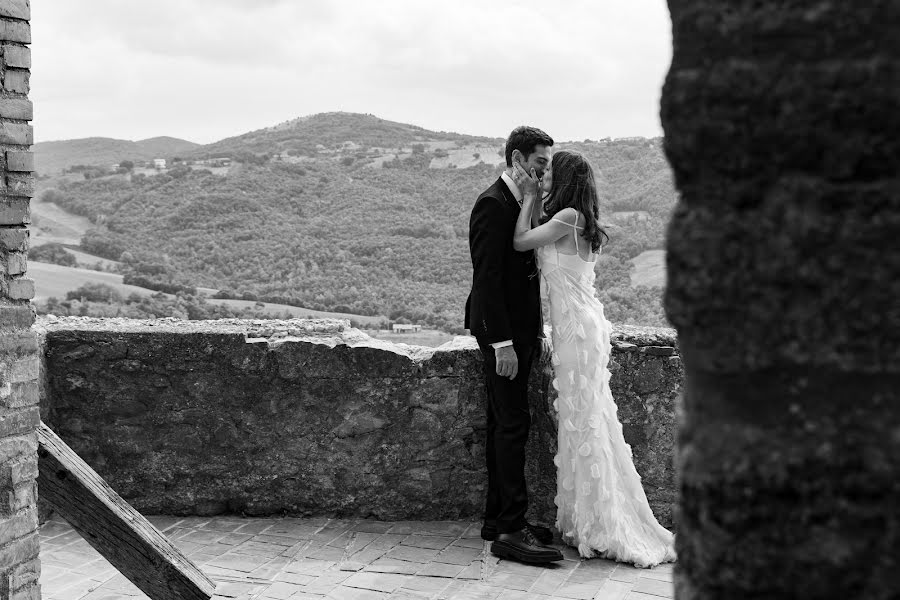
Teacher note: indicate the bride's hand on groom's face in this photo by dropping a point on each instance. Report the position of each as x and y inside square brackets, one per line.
[529, 183]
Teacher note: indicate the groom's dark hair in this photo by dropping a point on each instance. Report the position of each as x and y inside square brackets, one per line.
[525, 139]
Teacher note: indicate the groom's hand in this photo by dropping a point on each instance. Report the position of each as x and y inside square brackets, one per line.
[507, 362]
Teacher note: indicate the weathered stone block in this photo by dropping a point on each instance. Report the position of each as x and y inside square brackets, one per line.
[16, 81]
[20, 395]
[20, 288]
[16, 9]
[18, 57]
[14, 239]
[24, 470]
[19, 421]
[20, 551]
[16, 344]
[20, 184]
[15, 211]
[16, 133]
[19, 161]
[16, 316]
[15, 31]
[29, 592]
[19, 447]
[25, 574]
[24, 496]
[16, 108]
[18, 526]
[16, 263]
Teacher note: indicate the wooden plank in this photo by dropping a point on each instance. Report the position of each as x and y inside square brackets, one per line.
[113, 527]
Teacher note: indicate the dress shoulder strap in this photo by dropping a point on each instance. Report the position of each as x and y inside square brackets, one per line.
[575, 227]
[569, 224]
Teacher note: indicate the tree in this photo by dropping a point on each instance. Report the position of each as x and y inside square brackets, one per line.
[52, 253]
[51, 195]
[95, 292]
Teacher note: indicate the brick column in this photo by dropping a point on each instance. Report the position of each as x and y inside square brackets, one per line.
[19, 417]
[782, 122]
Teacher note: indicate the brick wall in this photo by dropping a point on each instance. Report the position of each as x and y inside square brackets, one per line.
[19, 562]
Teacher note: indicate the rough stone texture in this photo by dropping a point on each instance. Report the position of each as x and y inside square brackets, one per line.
[782, 124]
[312, 417]
[16, 133]
[19, 414]
[16, 108]
[20, 184]
[19, 161]
[18, 57]
[14, 211]
[15, 31]
[16, 9]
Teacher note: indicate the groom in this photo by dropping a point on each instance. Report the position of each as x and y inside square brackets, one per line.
[503, 312]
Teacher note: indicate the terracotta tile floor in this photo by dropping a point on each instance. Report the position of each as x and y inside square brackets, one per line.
[298, 559]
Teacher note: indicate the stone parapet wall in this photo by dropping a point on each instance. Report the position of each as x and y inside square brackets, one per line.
[313, 417]
[19, 418]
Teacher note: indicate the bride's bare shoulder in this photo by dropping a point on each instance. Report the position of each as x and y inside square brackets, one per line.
[570, 216]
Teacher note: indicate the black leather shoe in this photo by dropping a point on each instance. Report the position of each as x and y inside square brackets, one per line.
[524, 547]
[543, 534]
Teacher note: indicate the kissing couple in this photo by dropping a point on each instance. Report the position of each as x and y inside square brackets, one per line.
[534, 238]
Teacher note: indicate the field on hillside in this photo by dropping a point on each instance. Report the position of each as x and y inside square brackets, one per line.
[296, 311]
[89, 260]
[55, 280]
[50, 223]
[302, 218]
[649, 269]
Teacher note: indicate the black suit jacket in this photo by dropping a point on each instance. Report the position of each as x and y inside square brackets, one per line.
[505, 300]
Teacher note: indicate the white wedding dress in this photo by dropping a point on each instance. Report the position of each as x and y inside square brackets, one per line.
[601, 506]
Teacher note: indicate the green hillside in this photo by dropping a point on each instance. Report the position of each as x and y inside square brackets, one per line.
[51, 158]
[346, 228]
[308, 136]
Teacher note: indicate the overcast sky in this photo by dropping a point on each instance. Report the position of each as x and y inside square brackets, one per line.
[203, 70]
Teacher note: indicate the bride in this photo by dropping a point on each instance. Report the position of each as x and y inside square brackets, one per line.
[601, 506]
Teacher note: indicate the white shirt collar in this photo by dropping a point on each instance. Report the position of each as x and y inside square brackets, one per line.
[512, 186]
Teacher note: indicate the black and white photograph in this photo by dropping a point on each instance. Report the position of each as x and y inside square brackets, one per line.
[482, 300]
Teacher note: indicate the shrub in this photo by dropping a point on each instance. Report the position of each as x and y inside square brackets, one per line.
[95, 292]
[52, 253]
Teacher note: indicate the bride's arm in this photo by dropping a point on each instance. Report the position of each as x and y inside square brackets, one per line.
[525, 237]
[536, 214]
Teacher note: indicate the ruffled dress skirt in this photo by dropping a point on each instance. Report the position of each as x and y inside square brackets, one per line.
[602, 509]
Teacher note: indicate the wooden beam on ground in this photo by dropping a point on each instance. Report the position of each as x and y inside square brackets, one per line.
[116, 530]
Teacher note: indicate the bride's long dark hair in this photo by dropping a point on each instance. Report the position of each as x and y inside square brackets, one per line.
[574, 186]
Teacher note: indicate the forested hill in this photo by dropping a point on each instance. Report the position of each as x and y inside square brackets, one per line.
[365, 134]
[371, 219]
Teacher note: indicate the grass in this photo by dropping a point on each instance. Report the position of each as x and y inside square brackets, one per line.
[649, 269]
[53, 224]
[296, 311]
[55, 280]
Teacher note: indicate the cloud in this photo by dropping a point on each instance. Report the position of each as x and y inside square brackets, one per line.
[207, 69]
